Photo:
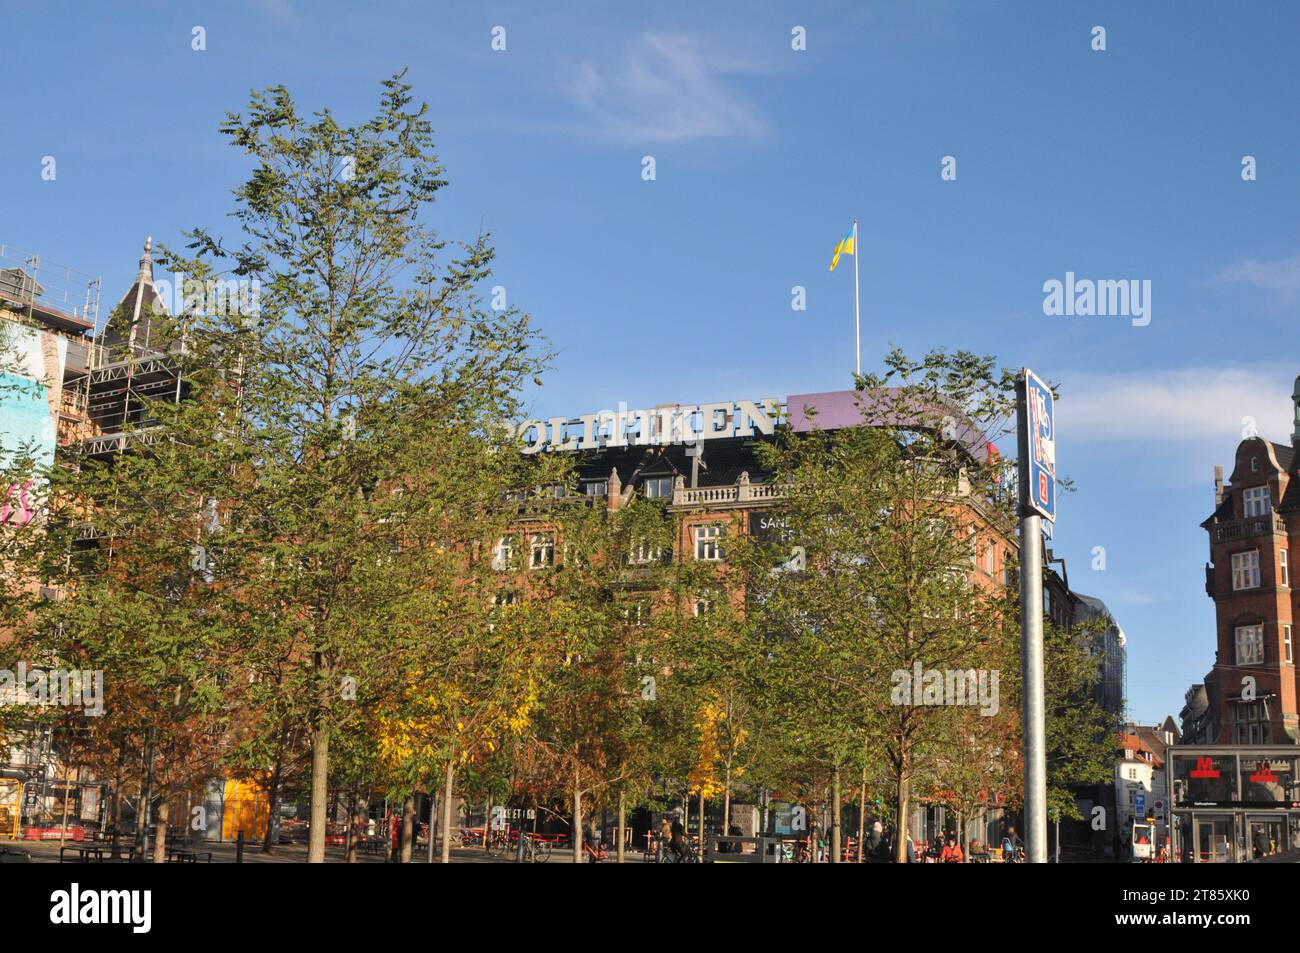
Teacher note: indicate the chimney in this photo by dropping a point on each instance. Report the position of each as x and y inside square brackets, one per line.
[1218, 486]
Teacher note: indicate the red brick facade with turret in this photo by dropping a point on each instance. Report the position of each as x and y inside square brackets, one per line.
[1254, 536]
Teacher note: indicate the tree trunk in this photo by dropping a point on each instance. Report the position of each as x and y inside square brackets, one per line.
[350, 850]
[702, 837]
[408, 829]
[320, 760]
[160, 832]
[837, 819]
[862, 812]
[904, 806]
[487, 822]
[622, 822]
[273, 799]
[145, 801]
[446, 810]
[577, 820]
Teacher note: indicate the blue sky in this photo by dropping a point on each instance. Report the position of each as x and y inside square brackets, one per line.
[1117, 164]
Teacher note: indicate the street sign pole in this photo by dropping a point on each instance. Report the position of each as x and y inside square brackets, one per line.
[1036, 442]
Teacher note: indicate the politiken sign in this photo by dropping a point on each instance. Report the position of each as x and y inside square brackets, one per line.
[656, 426]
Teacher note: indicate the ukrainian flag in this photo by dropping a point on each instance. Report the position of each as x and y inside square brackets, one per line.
[845, 247]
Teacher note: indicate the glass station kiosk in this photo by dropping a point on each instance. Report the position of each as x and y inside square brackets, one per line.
[1233, 803]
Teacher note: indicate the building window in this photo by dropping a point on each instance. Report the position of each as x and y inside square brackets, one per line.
[596, 488]
[658, 488]
[637, 613]
[990, 559]
[1245, 570]
[1252, 724]
[1289, 653]
[504, 553]
[703, 605]
[1250, 645]
[708, 543]
[644, 553]
[542, 554]
[1284, 562]
[1257, 501]
[1047, 602]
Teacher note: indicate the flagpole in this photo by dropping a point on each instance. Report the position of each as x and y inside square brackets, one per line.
[857, 308]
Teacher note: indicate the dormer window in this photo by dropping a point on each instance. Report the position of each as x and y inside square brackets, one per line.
[1254, 464]
[1256, 501]
[658, 488]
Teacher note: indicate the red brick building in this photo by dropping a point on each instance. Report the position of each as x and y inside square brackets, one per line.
[1254, 545]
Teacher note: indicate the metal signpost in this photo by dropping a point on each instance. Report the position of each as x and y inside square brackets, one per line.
[1036, 449]
[520, 814]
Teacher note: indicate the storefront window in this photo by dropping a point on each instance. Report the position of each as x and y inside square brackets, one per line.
[1268, 780]
[1205, 778]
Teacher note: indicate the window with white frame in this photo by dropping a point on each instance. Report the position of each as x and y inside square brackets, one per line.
[644, 552]
[541, 551]
[1287, 649]
[1256, 501]
[596, 488]
[658, 488]
[637, 612]
[501, 601]
[1284, 562]
[1245, 570]
[991, 558]
[704, 604]
[1250, 645]
[503, 554]
[708, 543]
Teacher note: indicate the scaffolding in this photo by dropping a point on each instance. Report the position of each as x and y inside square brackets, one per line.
[112, 371]
[61, 301]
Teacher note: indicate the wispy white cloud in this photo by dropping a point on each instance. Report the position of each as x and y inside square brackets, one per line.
[282, 10]
[1177, 406]
[667, 88]
[1281, 277]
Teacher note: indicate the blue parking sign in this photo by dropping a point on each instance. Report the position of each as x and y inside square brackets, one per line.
[1041, 492]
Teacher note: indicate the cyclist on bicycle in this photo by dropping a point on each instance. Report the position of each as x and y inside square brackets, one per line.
[677, 845]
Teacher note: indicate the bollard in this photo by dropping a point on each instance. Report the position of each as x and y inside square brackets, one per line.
[239, 848]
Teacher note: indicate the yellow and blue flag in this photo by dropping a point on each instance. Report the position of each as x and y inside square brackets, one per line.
[845, 247]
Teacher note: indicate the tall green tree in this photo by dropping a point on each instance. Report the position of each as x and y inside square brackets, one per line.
[368, 349]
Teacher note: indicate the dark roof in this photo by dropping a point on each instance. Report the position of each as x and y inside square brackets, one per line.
[721, 465]
[1285, 456]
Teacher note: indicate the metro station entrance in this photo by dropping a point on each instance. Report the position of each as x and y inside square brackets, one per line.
[1213, 840]
[1233, 803]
